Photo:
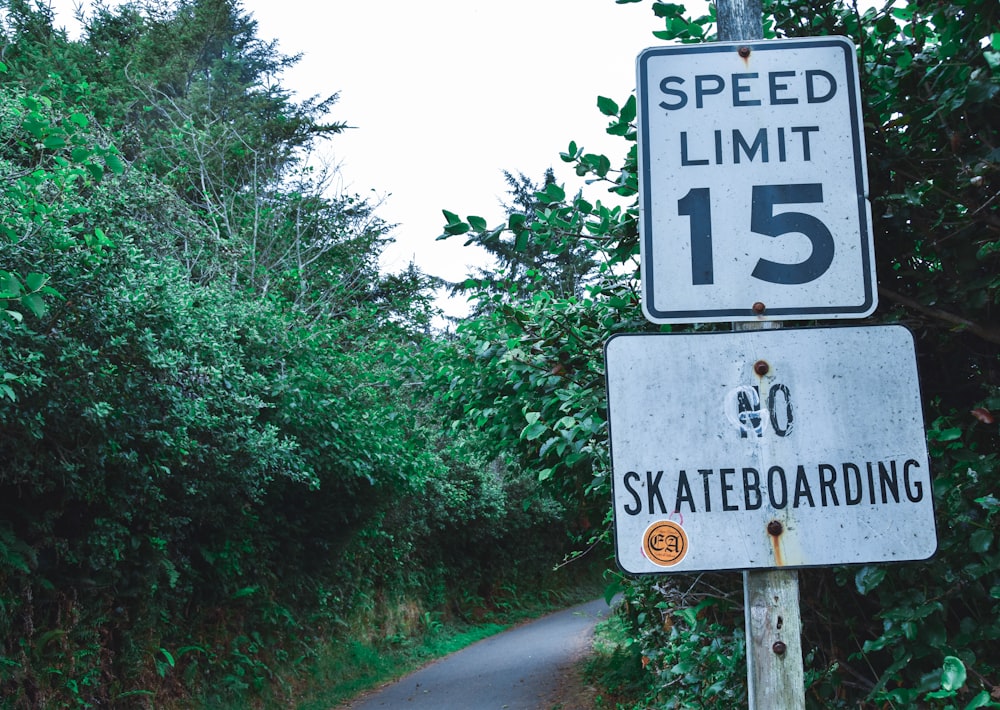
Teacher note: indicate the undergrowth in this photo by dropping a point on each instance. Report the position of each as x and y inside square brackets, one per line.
[615, 668]
[366, 654]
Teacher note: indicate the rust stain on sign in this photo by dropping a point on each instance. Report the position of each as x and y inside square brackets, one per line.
[774, 530]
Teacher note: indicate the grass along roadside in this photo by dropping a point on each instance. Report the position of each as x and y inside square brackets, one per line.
[343, 669]
[615, 669]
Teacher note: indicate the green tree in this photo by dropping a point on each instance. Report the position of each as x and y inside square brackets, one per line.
[192, 85]
[902, 635]
[560, 262]
[228, 438]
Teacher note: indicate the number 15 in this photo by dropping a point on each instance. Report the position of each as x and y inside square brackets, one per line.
[697, 205]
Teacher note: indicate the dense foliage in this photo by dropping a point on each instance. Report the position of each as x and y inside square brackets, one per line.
[220, 445]
[922, 634]
[227, 436]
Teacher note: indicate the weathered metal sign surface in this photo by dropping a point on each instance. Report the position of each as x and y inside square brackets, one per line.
[753, 183]
[774, 448]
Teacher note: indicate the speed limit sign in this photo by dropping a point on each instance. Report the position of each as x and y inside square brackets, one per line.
[753, 185]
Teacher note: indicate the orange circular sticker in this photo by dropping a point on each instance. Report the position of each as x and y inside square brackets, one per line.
[665, 543]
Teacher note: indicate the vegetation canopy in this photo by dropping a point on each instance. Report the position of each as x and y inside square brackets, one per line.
[233, 447]
[908, 635]
[223, 447]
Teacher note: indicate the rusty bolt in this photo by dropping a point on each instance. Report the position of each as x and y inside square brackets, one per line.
[761, 367]
[744, 52]
[779, 648]
[775, 528]
[758, 307]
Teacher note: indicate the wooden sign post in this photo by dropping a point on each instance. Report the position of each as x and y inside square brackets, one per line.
[775, 677]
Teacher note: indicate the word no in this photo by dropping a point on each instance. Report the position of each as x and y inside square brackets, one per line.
[746, 410]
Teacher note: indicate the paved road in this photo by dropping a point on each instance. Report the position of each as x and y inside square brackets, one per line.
[519, 669]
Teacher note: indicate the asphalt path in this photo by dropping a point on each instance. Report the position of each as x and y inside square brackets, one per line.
[519, 669]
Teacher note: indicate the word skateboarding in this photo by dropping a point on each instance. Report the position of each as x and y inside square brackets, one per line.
[822, 485]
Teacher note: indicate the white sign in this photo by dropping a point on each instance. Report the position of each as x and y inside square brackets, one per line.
[753, 184]
[773, 448]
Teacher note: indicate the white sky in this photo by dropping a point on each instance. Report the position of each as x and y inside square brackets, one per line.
[446, 94]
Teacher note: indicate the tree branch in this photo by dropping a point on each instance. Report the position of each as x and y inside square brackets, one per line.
[989, 334]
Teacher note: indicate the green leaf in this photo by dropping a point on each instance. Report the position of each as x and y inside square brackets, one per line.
[628, 110]
[548, 445]
[683, 668]
[665, 9]
[868, 578]
[619, 129]
[533, 431]
[114, 163]
[36, 281]
[35, 304]
[952, 434]
[872, 645]
[981, 541]
[37, 125]
[477, 223]
[952, 673]
[903, 697]
[613, 589]
[55, 142]
[941, 694]
[102, 237]
[989, 502]
[80, 154]
[689, 615]
[454, 229]
[715, 688]
[10, 285]
[607, 106]
[570, 155]
[603, 166]
[981, 700]
[552, 193]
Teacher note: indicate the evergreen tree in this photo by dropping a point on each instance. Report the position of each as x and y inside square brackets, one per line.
[534, 257]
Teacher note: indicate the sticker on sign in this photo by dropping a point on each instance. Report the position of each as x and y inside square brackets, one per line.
[753, 183]
[761, 449]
